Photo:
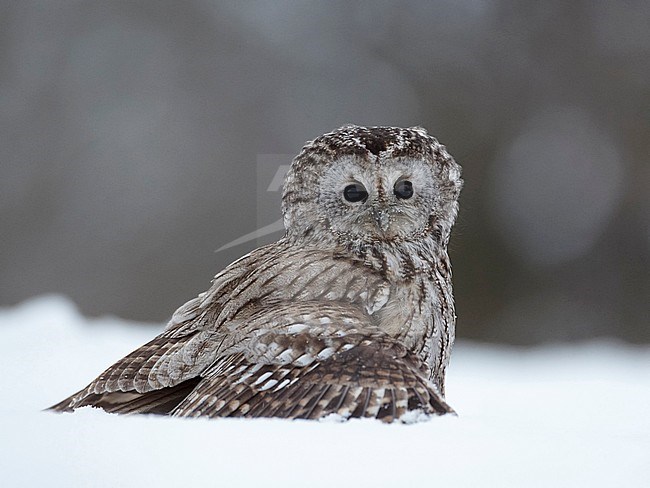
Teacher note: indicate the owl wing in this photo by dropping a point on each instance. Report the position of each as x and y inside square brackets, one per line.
[319, 359]
[157, 374]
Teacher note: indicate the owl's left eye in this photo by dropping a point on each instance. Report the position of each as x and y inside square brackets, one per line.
[355, 193]
[403, 189]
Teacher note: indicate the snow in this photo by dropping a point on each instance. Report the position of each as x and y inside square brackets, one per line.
[570, 415]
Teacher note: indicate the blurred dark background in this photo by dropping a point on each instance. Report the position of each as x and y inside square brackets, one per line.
[133, 136]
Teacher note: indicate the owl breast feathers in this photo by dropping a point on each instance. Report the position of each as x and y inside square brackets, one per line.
[350, 314]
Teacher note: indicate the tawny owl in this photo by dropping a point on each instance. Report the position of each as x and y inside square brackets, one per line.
[350, 313]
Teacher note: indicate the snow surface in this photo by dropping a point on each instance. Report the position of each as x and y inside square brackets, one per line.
[555, 416]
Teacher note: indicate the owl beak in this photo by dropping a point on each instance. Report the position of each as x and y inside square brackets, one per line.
[382, 217]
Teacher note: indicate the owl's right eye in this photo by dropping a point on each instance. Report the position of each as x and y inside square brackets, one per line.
[355, 193]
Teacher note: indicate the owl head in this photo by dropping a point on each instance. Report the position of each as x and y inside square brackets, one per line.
[372, 185]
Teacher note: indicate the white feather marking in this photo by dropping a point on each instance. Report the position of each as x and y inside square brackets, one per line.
[243, 378]
[304, 360]
[312, 367]
[344, 412]
[326, 353]
[282, 384]
[296, 328]
[239, 370]
[286, 356]
[269, 384]
[403, 403]
[256, 367]
[263, 378]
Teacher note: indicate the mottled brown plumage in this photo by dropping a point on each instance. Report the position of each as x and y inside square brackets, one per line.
[350, 313]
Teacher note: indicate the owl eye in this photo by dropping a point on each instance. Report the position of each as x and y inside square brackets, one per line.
[355, 193]
[403, 189]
